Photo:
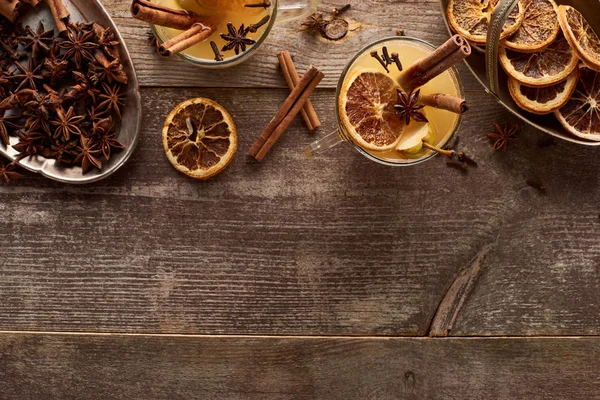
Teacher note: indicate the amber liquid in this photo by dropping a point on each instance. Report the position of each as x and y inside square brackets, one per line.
[443, 123]
[220, 12]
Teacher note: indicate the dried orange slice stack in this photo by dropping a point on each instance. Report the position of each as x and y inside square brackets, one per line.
[199, 138]
[367, 114]
[548, 71]
[471, 18]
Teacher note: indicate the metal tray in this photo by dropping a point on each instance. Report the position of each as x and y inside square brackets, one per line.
[484, 66]
[128, 132]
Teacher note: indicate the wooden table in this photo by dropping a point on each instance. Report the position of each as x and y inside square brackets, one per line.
[331, 278]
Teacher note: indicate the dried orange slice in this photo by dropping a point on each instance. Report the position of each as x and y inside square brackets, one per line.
[540, 27]
[580, 35]
[470, 18]
[199, 138]
[581, 114]
[543, 100]
[542, 68]
[366, 108]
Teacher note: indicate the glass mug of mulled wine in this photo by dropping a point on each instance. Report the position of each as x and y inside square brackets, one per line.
[381, 120]
[229, 44]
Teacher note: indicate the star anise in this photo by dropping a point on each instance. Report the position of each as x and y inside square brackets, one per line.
[107, 140]
[237, 39]
[27, 144]
[107, 41]
[27, 76]
[82, 90]
[38, 41]
[408, 107]
[316, 23]
[87, 154]
[7, 174]
[502, 136]
[7, 126]
[66, 123]
[64, 152]
[37, 114]
[105, 70]
[55, 69]
[112, 98]
[79, 45]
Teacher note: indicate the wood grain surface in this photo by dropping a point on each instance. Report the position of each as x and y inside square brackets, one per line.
[369, 19]
[330, 246]
[36, 367]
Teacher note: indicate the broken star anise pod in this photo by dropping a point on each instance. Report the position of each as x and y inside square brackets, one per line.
[79, 45]
[55, 68]
[27, 76]
[237, 40]
[408, 107]
[103, 70]
[7, 126]
[87, 154]
[66, 123]
[107, 41]
[502, 136]
[38, 41]
[7, 174]
[316, 23]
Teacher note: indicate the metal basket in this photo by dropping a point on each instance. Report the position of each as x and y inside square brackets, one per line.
[484, 65]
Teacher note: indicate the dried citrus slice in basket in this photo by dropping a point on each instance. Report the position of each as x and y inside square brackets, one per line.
[581, 114]
[366, 108]
[581, 36]
[543, 100]
[199, 138]
[541, 68]
[470, 18]
[540, 27]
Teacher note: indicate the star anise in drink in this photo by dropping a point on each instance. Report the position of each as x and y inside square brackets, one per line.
[27, 77]
[7, 173]
[87, 155]
[237, 40]
[66, 123]
[112, 99]
[79, 45]
[38, 41]
[502, 136]
[408, 107]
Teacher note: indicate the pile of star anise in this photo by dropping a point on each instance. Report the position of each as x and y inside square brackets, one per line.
[61, 96]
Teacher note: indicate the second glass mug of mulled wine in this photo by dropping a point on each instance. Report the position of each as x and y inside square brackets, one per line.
[240, 27]
[381, 124]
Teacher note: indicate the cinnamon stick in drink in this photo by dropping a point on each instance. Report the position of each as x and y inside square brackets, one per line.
[291, 77]
[445, 102]
[453, 51]
[289, 117]
[164, 16]
[283, 110]
[10, 9]
[197, 33]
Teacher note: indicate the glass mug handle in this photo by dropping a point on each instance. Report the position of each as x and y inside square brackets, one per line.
[290, 10]
[324, 144]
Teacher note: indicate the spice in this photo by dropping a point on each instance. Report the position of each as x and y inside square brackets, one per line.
[339, 11]
[38, 41]
[316, 23]
[253, 28]
[157, 14]
[396, 60]
[237, 40]
[7, 173]
[376, 56]
[197, 33]
[215, 49]
[408, 107]
[502, 136]
[264, 4]
[446, 102]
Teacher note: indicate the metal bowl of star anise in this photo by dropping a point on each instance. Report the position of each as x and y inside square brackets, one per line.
[69, 96]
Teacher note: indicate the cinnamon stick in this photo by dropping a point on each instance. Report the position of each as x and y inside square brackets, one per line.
[10, 9]
[453, 51]
[59, 13]
[446, 102]
[197, 33]
[33, 3]
[283, 110]
[290, 116]
[291, 77]
[157, 14]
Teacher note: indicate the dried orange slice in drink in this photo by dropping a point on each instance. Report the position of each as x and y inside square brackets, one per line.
[581, 114]
[470, 18]
[199, 138]
[366, 109]
[543, 100]
[540, 27]
[581, 36]
[541, 68]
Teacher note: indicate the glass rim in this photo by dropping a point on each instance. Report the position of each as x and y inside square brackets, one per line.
[454, 73]
[230, 62]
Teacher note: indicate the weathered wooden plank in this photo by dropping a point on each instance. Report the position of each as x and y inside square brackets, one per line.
[335, 245]
[120, 367]
[379, 19]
